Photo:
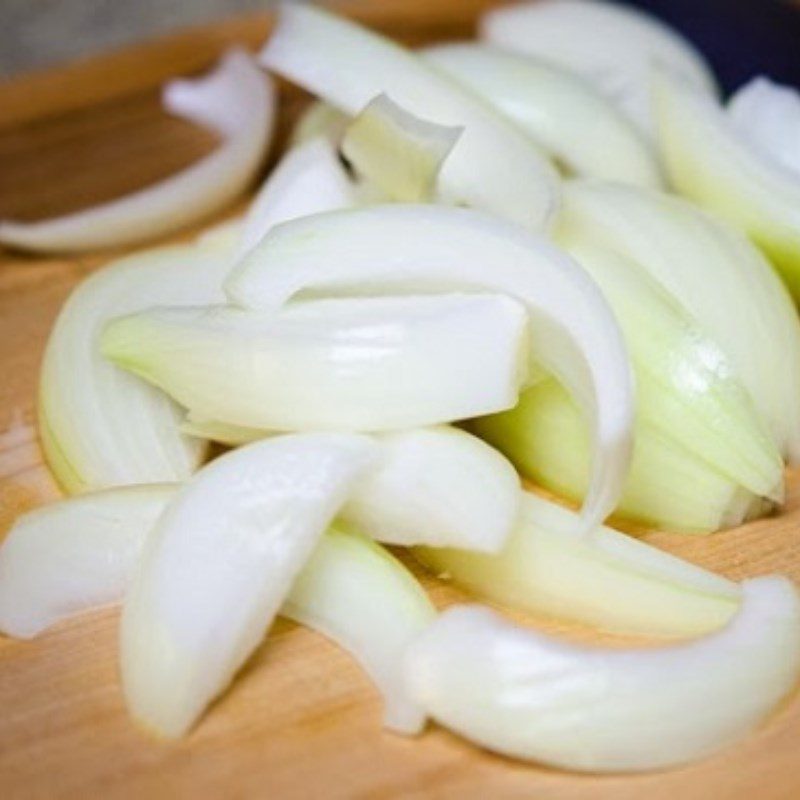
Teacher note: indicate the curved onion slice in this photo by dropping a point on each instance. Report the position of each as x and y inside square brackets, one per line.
[74, 555]
[533, 697]
[309, 179]
[236, 101]
[710, 159]
[399, 154]
[710, 269]
[219, 563]
[101, 426]
[569, 119]
[493, 166]
[613, 46]
[78, 555]
[357, 594]
[365, 364]
[667, 487]
[221, 432]
[319, 119]
[436, 486]
[608, 579]
[432, 248]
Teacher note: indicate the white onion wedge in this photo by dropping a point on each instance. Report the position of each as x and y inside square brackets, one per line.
[433, 248]
[494, 166]
[609, 580]
[100, 426]
[236, 101]
[367, 364]
[319, 119]
[594, 709]
[219, 564]
[569, 119]
[357, 594]
[436, 486]
[309, 179]
[712, 161]
[710, 269]
[74, 555]
[613, 46]
[398, 153]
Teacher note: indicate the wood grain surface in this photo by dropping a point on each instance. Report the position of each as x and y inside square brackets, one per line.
[301, 721]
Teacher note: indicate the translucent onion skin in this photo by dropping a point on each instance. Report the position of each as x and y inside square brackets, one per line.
[220, 562]
[711, 163]
[236, 101]
[494, 166]
[608, 580]
[592, 709]
[433, 249]
[367, 364]
[100, 426]
[557, 108]
[613, 46]
[710, 269]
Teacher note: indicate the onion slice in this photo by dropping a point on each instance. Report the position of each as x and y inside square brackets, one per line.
[609, 580]
[710, 269]
[100, 426]
[436, 486]
[613, 46]
[236, 101]
[557, 108]
[367, 364]
[533, 697]
[218, 565]
[433, 248]
[308, 180]
[722, 165]
[494, 165]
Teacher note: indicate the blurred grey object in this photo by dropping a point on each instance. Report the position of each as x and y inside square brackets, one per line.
[36, 33]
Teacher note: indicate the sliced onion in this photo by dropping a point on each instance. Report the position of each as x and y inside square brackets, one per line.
[78, 555]
[237, 102]
[400, 154]
[494, 166]
[354, 592]
[710, 159]
[74, 555]
[309, 179]
[609, 580]
[219, 564]
[365, 364]
[613, 46]
[99, 425]
[319, 119]
[710, 269]
[436, 486]
[221, 432]
[533, 697]
[433, 248]
[569, 119]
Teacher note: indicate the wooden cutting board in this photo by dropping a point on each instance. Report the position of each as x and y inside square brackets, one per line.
[301, 720]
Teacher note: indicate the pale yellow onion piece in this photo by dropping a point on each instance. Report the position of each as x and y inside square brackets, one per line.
[223, 235]
[667, 487]
[236, 101]
[717, 166]
[309, 179]
[397, 152]
[711, 270]
[613, 46]
[79, 554]
[608, 579]
[319, 119]
[221, 432]
[433, 249]
[494, 166]
[530, 696]
[436, 486]
[567, 116]
[219, 564]
[368, 364]
[99, 425]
